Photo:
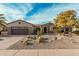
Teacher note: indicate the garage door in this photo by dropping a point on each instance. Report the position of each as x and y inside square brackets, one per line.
[19, 31]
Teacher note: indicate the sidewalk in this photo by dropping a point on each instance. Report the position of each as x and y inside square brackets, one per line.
[40, 52]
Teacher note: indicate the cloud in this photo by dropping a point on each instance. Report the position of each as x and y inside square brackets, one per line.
[35, 13]
[14, 11]
[38, 7]
[48, 14]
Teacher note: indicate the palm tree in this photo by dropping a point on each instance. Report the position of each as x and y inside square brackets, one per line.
[2, 22]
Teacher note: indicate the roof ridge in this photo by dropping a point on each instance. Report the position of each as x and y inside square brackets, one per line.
[20, 20]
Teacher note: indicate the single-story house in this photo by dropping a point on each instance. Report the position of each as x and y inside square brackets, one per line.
[21, 27]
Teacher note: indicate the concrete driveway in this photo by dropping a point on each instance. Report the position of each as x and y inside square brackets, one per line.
[8, 41]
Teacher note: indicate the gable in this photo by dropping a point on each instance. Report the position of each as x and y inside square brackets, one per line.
[19, 23]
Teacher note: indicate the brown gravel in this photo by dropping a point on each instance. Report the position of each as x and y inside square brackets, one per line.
[63, 42]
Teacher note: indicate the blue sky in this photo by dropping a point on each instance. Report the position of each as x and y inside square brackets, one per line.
[36, 13]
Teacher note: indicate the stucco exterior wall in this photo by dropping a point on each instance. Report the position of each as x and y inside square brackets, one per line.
[20, 24]
[31, 28]
[49, 27]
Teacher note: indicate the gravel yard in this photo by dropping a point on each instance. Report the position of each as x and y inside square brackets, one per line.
[55, 41]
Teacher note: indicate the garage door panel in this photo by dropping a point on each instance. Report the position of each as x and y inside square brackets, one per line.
[19, 31]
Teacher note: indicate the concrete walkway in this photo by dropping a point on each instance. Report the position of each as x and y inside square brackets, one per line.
[40, 52]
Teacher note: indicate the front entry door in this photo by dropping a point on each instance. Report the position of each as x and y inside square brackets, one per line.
[45, 29]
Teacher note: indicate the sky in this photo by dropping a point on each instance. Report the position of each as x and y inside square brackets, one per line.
[35, 13]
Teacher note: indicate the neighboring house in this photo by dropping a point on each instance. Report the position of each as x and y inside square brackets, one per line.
[76, 26]
[21, 27]
[66, 29]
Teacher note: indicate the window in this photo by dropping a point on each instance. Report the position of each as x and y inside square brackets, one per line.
[19, 22]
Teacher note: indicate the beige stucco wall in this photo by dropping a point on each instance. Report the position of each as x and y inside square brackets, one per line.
[30, 26]
[22, 24]
[49, 27]
[16, 23]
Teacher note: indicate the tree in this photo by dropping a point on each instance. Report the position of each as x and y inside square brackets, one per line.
[66, 18]
[2, 22]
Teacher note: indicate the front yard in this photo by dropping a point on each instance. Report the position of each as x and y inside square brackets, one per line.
[55, 41]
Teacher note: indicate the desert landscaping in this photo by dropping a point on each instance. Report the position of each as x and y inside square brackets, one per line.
[51, 45]
[54, 41]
